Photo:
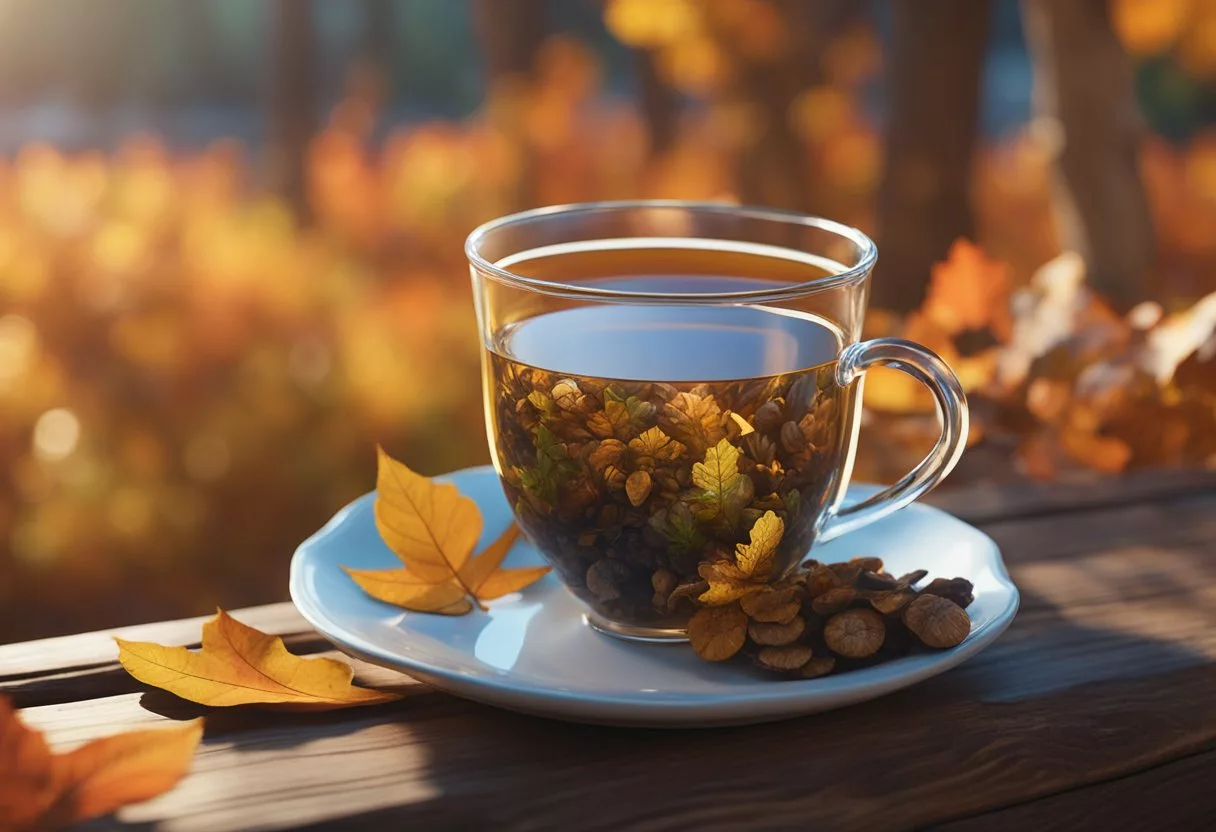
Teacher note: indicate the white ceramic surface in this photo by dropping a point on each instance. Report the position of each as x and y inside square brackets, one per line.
[532, 652]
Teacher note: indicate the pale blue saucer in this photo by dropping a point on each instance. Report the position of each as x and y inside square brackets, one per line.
[532, 652]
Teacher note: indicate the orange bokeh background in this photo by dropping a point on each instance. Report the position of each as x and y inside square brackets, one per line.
[192, 378]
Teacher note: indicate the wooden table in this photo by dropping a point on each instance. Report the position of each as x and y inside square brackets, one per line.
[1097, 709]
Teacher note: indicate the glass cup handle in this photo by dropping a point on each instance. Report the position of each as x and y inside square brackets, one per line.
[926, 367]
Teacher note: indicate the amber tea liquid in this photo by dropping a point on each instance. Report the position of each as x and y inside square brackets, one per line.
[599, 413]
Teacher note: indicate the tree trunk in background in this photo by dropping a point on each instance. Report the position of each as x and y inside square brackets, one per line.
[933, 83]
[660, 104]
[509, 34]
[293, 103]
[376, 50]
[213, 76]
[1085, 97]
[773, 169]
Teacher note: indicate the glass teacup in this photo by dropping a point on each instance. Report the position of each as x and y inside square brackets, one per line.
[659, 376]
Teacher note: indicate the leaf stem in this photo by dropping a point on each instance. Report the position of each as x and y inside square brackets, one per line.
[446, 561]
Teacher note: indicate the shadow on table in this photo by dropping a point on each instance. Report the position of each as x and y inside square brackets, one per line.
[246, 717]
[937, 750]
[1075, 683]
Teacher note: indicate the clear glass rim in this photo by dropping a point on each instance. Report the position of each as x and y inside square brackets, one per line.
[867, 253]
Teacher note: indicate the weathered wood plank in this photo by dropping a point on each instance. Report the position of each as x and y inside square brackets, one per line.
[99, 681]
[1172, 796]
[1108, 672]
[71, 723]
[30, 658]
[1153, 548]
[1183, 521]
[1133, 611]
[983, 503]
[1109, 615]
[926, 755]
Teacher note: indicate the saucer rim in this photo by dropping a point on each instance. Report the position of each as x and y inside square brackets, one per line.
[691, 710]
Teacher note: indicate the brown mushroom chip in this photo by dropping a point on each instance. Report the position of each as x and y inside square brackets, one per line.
[912, 578]
[689, 590]
[818, 666]
[777, 606]
[870, 564]
[804, 624]
[846, 573]
[784, 659]
[834, 600]
[958, 590]
[605, 578]
[937, 621]
[768, 416]
[637, 487]
[792, 437]
[855, 634]
[664, 581]
[608, 452]
[614, 477]
[889, 603]
[876, 580]
[717, 633]
[776, 635]
[822, 579]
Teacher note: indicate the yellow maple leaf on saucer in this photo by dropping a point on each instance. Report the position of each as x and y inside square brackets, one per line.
[433, 529]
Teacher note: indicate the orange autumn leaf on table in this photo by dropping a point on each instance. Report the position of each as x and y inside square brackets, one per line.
[433, 529]
[239, 665]
[969, 291]
[891, 391]
[40, 790]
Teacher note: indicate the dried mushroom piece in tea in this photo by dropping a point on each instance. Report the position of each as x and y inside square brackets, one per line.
[784, 659]
[776, 635]
[772, 606]
[937, 621]
[855, 634]
[620, 481]
[672, 505]
[823, 618]
[956, 590]
[717, 633]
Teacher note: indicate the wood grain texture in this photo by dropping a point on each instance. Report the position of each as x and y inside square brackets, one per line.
[55, 654]
[1149, 545]
[1170, 796]
[985, 503]
[109, 679]
[917, 757]
[1095, 709]
[1064, 701]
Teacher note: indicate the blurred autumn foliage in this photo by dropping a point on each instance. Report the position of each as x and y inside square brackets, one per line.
[193, 378]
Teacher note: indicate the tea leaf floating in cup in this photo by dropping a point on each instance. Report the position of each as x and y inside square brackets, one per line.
[753, 563]
[756, 558]
[724, 491]
[434, 528]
